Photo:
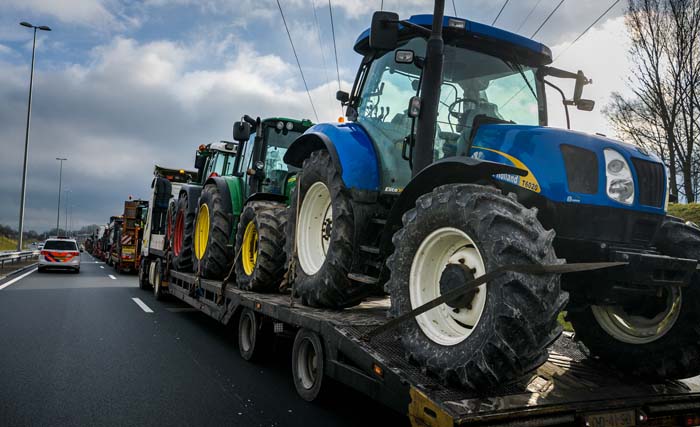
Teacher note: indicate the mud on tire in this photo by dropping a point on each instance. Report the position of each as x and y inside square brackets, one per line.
[676, 353]
[269, 220]
[329, 286]
[518, 319]
[218, 255]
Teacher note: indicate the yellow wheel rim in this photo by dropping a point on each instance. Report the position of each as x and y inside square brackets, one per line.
[249, 249]
[201, 232]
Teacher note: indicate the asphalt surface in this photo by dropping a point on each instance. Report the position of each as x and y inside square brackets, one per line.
[76, 349]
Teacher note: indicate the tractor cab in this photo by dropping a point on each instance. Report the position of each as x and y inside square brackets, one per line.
[264, 147]
[215, 159]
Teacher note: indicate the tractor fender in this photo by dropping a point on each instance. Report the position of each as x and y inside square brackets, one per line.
[350, 148]
[230, 189]
[193, 192]
[450, 170]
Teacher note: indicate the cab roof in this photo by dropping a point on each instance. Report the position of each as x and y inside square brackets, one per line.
[541, 53]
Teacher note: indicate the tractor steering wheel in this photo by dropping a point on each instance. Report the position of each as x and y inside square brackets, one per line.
[451, 113]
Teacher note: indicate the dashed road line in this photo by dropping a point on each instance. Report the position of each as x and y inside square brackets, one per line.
[102, 266]
[16, 279]
[143, 305]
[112, 277]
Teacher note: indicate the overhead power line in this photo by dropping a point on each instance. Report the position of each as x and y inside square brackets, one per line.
[335, 49]
[583, 33]
[306, 86]
[528, 16]
[454, 7]
[547, 18]
[499, 12]
[320, 43]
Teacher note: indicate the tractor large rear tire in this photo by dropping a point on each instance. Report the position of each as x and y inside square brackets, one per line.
[500, 331]
[218, 253]
[260, 242]
[655, 346]
[182, 235]
[324, 242]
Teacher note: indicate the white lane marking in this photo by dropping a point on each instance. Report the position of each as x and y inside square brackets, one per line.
[112, 277]
[16, 279]
[102, 266]
[143, 305]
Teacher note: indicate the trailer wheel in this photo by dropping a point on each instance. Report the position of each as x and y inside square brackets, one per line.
[324, 236]
[499, 331]
[308, 364]
[182, 235]
[157, 280]
[657, 337]
[213, 230]
[260, 241]
[252, 337]
[143, 274]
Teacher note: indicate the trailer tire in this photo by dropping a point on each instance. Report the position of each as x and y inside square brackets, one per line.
[673, 352]
[183, 234]
[308, 364]
[260, 242]
[323, 257]
[501, 330]
[218, 254]
[252, 336]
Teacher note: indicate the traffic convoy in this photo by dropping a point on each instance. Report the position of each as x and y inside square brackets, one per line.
[444, 172]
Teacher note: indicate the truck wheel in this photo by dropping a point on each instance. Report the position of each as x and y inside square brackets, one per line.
[252, 337]
[307, 364]
[655, 337]
[260, 242]
[323, 235]
[144, 265]
[182, 235]
[158, 280]
[499, 331]
[213, 230]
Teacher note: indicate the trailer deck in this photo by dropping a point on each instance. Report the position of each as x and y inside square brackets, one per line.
[569, 389]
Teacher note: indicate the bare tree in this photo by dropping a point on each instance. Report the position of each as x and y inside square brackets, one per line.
[663, 113]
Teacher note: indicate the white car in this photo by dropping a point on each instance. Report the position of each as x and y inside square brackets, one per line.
[60, 254]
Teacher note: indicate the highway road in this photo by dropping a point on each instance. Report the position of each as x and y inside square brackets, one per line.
[80, 350]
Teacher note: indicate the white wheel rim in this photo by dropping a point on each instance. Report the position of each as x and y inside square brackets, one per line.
[307, 364]
[637, 329]
[443, 324]
[314, 229]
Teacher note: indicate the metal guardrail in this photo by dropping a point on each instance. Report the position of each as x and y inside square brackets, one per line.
[15, 257]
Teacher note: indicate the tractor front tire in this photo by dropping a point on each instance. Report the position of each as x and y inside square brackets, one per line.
[260, 242]
[214, 227]
[321, 240]
[183, 235]
[498, 332]
[659, 338]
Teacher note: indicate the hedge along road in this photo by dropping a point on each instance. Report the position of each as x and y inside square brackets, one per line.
[84, 349]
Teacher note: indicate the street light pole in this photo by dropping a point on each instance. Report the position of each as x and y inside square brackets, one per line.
[58, 210]
[26, 136]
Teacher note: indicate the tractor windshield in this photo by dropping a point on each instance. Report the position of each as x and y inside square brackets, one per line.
[476, 86]
[276, 170]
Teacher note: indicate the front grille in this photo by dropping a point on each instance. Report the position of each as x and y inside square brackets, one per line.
[581, 169]
[650, 181]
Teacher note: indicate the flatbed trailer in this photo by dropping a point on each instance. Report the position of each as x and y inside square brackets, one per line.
[570, 389]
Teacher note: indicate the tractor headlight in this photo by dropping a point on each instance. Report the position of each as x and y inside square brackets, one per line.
[619, 183]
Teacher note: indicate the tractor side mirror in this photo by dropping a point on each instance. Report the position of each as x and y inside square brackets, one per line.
[585, 104]
[581, 81]
[342, 96]
[384, 32]
[241, 131]
[199, 161]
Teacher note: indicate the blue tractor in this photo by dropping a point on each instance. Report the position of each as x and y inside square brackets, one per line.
[446, 170]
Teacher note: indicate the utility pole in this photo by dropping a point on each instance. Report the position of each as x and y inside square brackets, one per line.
[60, 178]
[26, 135]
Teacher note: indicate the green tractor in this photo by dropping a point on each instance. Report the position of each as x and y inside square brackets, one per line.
[246, 208]
[212, 160]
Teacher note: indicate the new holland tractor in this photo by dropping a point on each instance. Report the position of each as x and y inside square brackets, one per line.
[216, 159]
[245, 210]
[446, 170]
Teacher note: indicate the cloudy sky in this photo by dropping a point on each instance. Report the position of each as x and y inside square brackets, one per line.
[123, 84]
